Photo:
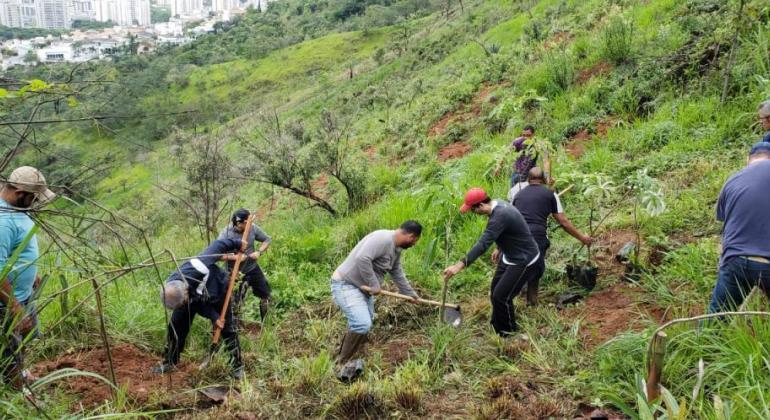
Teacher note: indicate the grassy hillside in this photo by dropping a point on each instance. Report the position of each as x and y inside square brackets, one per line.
[613, 87]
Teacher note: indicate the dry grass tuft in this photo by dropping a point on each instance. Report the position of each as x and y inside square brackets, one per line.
[358, 402]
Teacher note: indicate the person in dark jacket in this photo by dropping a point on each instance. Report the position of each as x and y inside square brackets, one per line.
[535, 203]
[252, 272]
[199, 288]
[515, 255]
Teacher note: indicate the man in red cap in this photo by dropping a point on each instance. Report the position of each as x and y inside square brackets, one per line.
[515, 255]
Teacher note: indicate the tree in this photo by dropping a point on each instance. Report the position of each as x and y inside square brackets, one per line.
[338, 160]
[285, 159]
[209, 184]
[30, 57]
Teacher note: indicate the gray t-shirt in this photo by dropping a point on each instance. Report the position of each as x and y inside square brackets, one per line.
[374, 256]
[742, 206]
[257, 234]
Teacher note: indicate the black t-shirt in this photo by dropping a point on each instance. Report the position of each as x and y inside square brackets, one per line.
[536, 202]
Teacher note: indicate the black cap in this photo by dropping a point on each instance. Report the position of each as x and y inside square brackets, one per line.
[240, 215]
[761, 147]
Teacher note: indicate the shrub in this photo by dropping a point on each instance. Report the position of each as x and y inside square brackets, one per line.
[617, 41]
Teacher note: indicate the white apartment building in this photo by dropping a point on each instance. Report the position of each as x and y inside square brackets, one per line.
[123, 12]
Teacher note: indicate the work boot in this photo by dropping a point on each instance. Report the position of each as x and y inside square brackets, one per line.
[351, 343]
[351, 371]
[237, 373]
[264, 305]
[164, 367]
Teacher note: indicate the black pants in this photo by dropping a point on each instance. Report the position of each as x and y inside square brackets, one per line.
[506, 284]
[179, 327]
[11, 356]
[11, 343]
[533, 285]
[258, 282]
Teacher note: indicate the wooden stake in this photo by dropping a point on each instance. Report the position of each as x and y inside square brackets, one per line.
[233, 276]
[655, 365]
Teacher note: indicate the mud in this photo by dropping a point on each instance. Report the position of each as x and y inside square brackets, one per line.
[599, 69]
[454, 151]
[132, 371]
[577, 144]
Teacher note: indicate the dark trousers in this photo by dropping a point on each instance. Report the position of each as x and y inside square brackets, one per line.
[737, 276]
[533, 285]
[258, 282]
[11, 356]
[11, 343]
[506, 284]
[179, 327]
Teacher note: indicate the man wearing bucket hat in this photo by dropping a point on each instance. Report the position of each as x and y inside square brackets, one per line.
[199, 287]
[24, 190]
[515, 255]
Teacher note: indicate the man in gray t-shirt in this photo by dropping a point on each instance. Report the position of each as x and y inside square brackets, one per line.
[252, 272]
[356, 281]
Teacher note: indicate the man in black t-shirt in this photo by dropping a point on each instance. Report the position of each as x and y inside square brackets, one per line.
[536, 202]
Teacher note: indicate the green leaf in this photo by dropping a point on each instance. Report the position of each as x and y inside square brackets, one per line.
[3, 93]
[72, 102]
[645, 412]
[37, 85]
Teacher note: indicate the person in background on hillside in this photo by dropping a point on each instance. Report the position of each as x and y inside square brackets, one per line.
[527, 157]
[252, 272]
[375, 255]
[536, 203]
[763, 112]
[516, 255]
[199, 287]
[25, 190]
[742, 207]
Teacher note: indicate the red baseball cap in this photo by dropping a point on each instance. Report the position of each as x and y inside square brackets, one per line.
[472, 197]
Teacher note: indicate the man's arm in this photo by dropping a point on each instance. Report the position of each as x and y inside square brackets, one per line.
[264, 238]
[493, 230]
[369, 252]
[397, 273]
[721, 206]
[562, 219]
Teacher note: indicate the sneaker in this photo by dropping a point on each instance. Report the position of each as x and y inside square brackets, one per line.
[237, 373]
[164, 367]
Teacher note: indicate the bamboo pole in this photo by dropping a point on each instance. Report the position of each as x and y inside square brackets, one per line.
[655, 365]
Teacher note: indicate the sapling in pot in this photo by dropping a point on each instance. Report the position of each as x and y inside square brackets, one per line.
[648, 201]
[598, 189]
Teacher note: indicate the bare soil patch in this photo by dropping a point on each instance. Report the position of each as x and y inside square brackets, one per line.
[454, 151]
[577, 144]
[598, 69]
[132, 371]
[609, 312]
[465, 112]
[607, 246]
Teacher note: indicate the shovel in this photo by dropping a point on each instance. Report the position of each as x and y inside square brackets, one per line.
[452, 313]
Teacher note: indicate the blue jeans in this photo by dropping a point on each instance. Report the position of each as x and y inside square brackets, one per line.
[357, 306]
[517, 177]
[737, 276]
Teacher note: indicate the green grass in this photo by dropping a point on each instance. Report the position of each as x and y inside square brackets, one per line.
[676, 128]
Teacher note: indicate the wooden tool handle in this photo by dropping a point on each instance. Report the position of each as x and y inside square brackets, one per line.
[405, 297]
[233, 276]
